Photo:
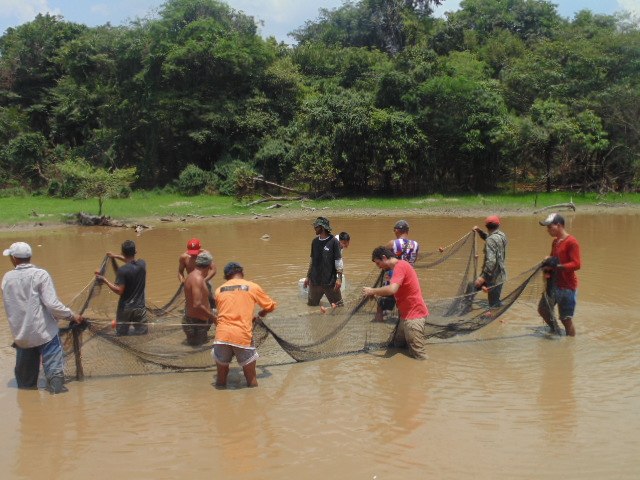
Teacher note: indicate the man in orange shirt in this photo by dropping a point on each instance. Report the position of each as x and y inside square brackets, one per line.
[236, 300]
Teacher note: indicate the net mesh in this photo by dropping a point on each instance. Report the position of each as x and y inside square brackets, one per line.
[295, 331]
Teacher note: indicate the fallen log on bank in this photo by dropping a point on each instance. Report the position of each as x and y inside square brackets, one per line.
[273, 199]
[559, 206]
[88, 220]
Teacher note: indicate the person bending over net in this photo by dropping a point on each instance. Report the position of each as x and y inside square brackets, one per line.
[404, 249]
[236, 300]
[405, 287]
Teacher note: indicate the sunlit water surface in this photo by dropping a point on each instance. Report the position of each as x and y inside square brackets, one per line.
[505, 402]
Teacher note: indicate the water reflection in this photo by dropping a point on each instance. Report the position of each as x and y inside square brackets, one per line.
[46, 424]
[556, 397]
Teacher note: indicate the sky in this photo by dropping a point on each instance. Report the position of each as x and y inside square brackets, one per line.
[277, 17]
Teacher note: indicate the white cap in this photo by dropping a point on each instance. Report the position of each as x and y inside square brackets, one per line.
[18, 250]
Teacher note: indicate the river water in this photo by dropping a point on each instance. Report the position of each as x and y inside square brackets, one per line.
[505, 402]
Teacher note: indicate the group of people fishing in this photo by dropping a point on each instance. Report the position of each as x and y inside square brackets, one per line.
[33, 309]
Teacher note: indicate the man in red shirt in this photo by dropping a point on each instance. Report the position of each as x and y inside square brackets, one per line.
[562, 265]
[405, 287]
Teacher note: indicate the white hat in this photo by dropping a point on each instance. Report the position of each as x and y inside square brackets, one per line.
[18, 250]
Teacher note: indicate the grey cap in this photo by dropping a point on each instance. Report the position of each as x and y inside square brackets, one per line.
[18, 250]
[401, 225]
[204, 259]
[552, 219]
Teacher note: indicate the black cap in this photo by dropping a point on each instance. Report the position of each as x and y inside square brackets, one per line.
[402, 225]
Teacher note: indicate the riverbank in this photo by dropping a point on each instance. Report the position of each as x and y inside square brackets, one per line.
[152, 209]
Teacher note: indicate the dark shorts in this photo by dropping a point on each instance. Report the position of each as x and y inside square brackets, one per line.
[387, 303]
[135, 317]
[317, 291]
[564, 298]
[196, 330]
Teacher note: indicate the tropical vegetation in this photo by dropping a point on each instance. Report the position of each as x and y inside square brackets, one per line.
[377, 97]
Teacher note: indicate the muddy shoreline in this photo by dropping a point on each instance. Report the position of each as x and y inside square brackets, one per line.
[285, 212]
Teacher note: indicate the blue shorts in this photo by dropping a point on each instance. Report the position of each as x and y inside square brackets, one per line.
[566, 301]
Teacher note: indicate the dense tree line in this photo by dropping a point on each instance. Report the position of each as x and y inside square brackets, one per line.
[376, 96]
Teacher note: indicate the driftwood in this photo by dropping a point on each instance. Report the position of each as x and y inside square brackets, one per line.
[87, 220]
[281, 187]
[559, 206]
[257, 215]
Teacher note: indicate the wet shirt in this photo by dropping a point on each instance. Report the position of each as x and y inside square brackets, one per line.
[409, 296]
[134, 278]
[324, 254]
[236, 300]
[32, 305]
[568, 253]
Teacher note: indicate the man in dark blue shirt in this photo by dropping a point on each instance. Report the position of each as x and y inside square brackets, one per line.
[130, 284]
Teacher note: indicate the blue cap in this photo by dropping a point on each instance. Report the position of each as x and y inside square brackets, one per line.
[232, 268]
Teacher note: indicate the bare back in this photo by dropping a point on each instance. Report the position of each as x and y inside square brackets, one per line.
[196, 295]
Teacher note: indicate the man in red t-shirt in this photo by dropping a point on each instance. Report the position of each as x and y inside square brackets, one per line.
[405, 287]
[562, 264]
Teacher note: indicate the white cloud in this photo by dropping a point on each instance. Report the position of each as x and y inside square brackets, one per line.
[632, 6]
[24, 10]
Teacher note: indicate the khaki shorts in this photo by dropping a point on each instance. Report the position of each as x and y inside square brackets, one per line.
[410, 333]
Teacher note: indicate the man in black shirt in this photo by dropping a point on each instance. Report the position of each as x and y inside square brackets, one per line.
[324, 276]
[130, 284]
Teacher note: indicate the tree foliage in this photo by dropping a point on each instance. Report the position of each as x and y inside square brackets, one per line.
[377, 96]
[75, 177]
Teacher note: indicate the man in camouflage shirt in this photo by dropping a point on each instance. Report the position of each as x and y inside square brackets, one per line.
[493, 273]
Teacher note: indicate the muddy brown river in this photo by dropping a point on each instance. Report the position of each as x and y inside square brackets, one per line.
[504, 402]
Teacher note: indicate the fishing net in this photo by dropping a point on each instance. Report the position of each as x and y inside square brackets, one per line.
[295, 331]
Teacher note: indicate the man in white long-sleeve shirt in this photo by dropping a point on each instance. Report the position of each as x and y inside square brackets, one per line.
[33, 310]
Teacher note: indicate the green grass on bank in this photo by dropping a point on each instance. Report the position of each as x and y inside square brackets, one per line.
[141, 205]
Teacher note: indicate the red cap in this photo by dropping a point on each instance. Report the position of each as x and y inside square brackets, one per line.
[193, 246]
[492, 219]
